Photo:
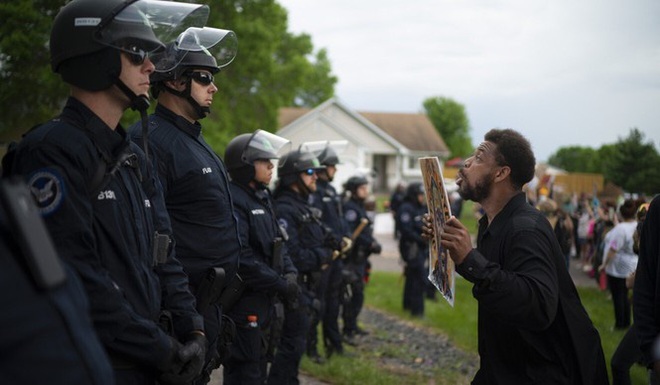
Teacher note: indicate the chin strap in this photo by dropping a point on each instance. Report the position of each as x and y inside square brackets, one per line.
[139, 103]
[186, 94]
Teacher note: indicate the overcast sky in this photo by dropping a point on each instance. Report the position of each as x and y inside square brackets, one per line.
[563, 72]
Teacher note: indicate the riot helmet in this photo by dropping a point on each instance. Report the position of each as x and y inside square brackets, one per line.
[245, 149]
[413, 190]
[87, 36]
[326, 151]
[196, 48]
[354, 182]
[294, 163]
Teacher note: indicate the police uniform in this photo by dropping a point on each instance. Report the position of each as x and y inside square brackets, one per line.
[263, 278]
[329, 202]
[196, 190]
[308, 253]
[47, 331]
[414, 252]
[106, 232]
[356, 263]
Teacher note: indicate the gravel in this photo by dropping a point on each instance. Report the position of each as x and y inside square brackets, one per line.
[402, 347]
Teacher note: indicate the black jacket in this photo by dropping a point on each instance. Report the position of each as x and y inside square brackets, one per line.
[106, 232]
[532, 326]
[196, 189]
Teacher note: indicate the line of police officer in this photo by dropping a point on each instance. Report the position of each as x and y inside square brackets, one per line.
[154, 228]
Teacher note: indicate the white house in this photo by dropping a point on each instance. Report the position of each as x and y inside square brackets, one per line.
[384, 146]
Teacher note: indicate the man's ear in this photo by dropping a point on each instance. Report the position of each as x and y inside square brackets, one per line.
[503, 173]
[177, 84]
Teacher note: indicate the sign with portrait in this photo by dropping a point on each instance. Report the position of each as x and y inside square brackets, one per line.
[441, 266]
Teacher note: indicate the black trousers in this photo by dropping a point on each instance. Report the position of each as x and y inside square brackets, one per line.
[620, 301]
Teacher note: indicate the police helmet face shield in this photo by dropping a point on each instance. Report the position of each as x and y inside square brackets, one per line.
[298, 161]
[264, 145]
[150, 22]
[83, 27]
[211, 48]
[327, 152]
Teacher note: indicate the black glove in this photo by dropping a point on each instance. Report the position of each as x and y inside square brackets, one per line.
[188, 362]
[376, 248]
[331, 241]
[290, 299]
[291, 292]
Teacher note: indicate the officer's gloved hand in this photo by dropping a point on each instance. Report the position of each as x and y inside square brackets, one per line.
[291, 300]
[330, 241]
[376, 248]
[292, 291]
[188, 361]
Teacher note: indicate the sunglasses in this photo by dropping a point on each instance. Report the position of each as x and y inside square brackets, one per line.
[309, 171]
[135, 54]
[203, 78]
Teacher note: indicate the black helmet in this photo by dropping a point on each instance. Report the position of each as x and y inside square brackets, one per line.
[327, 151]
[195, 48]
[354, 182]
[295, 162]
[244, 149]
[206, 48]
[414, 189]
[83, 31]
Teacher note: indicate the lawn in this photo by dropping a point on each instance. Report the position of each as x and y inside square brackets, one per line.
[459, 323]
[384, 292]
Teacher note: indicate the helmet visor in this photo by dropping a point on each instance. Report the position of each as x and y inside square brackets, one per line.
[220, 44]
[264, 145]
[148, 23]
[326, 149]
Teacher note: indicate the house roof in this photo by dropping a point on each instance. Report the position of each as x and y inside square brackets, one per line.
[289, 114]
[414, 131]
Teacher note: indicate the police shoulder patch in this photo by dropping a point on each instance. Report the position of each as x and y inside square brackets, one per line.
[47, 187]
[405, 217]
[351, 215]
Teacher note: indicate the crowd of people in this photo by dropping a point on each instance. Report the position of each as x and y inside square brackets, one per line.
[140, 256]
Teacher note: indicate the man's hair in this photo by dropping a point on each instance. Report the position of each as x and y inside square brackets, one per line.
[513, 150]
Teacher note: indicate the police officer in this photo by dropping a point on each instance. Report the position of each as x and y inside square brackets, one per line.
[194, 180]
[100, 200]
[355, 214]
[265, 265]
[309, 250]
[43, 309]
[326, 199]
[413, 248]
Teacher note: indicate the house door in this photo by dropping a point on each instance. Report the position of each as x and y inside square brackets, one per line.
[380, 174]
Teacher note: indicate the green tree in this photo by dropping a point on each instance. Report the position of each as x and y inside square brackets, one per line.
[273, 68]
[450, 119]
[29, 92]
[635, 164]
[576, 159]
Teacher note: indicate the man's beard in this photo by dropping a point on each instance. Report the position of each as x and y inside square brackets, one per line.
[479, 192]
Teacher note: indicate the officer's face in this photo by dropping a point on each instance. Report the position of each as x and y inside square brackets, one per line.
[263, 171]
[136, 75]
[331, 170]
[362, 191]
[202, 87]
[309, 180]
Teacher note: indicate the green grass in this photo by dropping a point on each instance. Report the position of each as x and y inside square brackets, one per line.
[384, 292]
[459, 324]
